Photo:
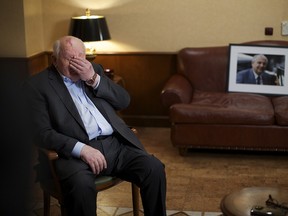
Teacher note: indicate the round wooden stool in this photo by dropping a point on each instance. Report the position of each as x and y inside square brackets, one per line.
[240, 203]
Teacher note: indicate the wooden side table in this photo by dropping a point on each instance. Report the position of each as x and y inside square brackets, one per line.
[119, 80]
[240, 203]
[116, 78]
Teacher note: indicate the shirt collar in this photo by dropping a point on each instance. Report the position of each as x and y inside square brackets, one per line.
[68, 82]
[256, 75]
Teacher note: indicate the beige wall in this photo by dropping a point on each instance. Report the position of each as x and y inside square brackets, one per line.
[150, 25]
[12, 27]
[33, 26]
[21, 27]
[168, 25]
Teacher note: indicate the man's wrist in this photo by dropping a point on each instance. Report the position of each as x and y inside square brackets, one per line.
[77, 149]
[92, 80]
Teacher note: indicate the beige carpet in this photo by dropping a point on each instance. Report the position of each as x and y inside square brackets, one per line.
[196, 183]
[121, 211]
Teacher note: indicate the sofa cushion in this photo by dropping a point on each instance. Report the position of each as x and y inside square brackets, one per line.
[224, 108]
[281, 109]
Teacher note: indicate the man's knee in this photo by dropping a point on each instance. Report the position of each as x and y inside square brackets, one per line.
[156, 168]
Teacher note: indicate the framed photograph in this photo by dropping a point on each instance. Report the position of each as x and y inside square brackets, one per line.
[258, 69]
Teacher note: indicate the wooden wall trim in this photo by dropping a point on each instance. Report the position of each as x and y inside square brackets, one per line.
[145, 74]
[38, 62]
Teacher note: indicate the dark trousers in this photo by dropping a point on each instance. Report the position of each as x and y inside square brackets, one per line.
[126, 162]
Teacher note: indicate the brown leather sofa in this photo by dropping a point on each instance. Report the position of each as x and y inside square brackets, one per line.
[204, 115]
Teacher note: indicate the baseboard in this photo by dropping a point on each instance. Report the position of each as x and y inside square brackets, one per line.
[146, 121]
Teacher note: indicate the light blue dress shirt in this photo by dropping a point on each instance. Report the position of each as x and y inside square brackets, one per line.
[93, 120]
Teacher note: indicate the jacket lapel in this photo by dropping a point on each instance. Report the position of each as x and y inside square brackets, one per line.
[252, 77]
[57, 83]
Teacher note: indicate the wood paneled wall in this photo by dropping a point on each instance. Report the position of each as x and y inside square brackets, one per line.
[144, 75]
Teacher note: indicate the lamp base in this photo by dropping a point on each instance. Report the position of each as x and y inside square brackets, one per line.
[90, 57]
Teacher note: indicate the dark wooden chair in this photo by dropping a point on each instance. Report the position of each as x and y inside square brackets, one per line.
[52, 188]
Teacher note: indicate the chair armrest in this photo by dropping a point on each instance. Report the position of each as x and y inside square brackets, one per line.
[134, 130]
[176, 90]
[51, 154]
[54, 188]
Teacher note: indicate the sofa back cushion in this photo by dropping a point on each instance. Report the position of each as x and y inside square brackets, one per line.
[206, 68]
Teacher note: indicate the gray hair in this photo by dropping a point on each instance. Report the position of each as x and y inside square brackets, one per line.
[56, 48]
[255, 57]
[58, 43]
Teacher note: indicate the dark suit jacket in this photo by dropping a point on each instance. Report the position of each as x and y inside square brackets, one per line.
[247, 77]
[57, 122]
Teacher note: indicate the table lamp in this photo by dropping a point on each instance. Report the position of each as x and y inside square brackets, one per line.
[89, 28]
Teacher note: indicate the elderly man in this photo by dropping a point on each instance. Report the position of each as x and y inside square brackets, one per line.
[74, 113]
[257, 74]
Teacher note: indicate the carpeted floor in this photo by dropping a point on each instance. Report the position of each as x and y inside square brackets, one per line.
[195, 183]
[121, 211]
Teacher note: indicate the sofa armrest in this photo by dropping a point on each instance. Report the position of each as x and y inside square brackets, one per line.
[176, 90]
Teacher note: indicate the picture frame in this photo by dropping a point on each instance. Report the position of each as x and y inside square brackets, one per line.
[274, 76]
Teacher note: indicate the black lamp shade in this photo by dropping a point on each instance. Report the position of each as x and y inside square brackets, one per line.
[89, 29]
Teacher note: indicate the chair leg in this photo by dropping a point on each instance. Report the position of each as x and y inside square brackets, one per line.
[46, 198]
[63, 210]
[135, 199]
